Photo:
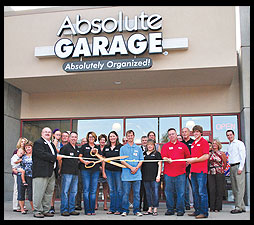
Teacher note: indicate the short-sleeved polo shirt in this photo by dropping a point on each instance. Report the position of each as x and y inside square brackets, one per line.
[176, 150]
[134, 152]
[197, 150]
[108, 152]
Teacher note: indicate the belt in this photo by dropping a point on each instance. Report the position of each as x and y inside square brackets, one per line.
[234, 164]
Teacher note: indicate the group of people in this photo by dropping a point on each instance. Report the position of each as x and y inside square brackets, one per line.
[38, 166]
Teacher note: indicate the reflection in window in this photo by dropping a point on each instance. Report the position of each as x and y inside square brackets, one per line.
[223, 123]
[32, 129]
[203, 121]
[99, 126]
[141, 127]
[165, 123]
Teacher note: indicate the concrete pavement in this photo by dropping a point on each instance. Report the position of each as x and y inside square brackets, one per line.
[101, 214]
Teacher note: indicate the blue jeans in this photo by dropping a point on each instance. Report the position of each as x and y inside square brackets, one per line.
[136, 195]
[152, 193]
[199, 189]
[115, 190]
[175, 185]
[90, 181]
[69, 183]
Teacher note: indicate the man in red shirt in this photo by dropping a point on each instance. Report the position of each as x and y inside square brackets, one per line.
[174, 172]
[199, 149]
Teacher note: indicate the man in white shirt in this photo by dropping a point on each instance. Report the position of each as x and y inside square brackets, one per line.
[236, 158]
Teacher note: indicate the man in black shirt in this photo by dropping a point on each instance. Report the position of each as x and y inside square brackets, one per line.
[69, 171]
[188, 141]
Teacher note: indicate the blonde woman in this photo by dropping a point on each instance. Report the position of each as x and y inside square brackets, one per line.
[15, 205]
[216, 178]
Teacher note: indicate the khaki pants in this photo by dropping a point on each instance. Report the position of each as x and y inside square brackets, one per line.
[238, 186]
[43, 188]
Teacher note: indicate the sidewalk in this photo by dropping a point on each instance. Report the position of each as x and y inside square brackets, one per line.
[101, 214]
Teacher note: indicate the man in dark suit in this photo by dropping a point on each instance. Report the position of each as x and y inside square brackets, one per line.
[45, 170]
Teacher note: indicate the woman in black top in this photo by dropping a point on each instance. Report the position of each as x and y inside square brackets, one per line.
[151, 177]
[113, 173]
[89, 175]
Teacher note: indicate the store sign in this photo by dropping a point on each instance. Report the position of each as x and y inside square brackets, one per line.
[225, 126]
[135, 44]
[101, 65]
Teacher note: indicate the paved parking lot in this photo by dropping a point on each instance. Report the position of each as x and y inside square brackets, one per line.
[101, 214]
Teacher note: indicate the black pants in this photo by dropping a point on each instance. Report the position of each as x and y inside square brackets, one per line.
[216, 187]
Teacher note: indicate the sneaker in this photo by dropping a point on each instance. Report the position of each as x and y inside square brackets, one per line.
[138, 214]
[124, 214]
[52, 210]
[74, 213]
[65, 213]
[38, 215]
[48, 214]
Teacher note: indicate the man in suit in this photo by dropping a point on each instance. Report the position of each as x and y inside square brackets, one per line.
[45, 170]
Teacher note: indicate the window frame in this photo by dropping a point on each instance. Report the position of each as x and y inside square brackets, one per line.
[145, 116]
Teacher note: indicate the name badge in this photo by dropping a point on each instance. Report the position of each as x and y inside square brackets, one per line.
[87, 147]
[180, 148]
[198, 144]
[71, 154]
[192, 146]
[170, 148]
[135, 154]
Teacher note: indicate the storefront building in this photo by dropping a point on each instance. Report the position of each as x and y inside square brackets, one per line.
[120, 68]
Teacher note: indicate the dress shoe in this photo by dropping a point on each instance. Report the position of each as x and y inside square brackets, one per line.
[235, 211]
[180, 214]
[200, 216]
[192, 214]
[168, 213]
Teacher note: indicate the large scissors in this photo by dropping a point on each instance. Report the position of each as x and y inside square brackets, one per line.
[94, 152]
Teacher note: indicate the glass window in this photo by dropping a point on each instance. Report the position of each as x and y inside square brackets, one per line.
[164, 124]
[32, 129]
[223, 123]
[191, 121]
[141, 127]
[99, 126]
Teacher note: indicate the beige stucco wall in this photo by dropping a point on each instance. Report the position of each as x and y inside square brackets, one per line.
[164, 101]
[210, 30]
[212, 44]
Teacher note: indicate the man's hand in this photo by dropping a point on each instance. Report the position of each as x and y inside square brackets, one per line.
[169, 160]
[134, 170]
[239, 172]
